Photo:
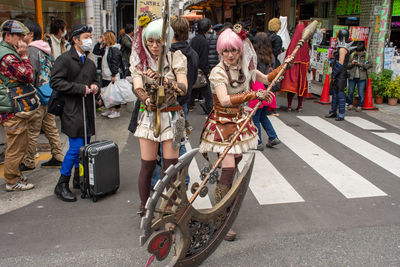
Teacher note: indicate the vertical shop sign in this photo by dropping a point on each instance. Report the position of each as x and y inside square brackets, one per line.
[382, 35]
[377, 23]
[388, 58]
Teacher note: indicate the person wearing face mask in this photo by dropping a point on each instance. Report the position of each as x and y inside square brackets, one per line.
[15, 70]
[74, 76]
[56, 38]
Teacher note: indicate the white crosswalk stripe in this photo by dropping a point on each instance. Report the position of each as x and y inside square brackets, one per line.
[194, 173]
[267, 183]
[392, 137]
[344, 179]
[373, 153]
[364, 124]
[271, 187]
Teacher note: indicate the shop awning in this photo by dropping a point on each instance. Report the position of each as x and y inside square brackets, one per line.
[192, 16]
[208, 4]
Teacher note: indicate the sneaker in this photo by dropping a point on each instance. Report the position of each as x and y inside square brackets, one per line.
[359, 109]
[260, 147]
[52, 164]
[350, 107]
[24, 168]
[19, 186]
[114, 114]
[272, 143]
[106, 113]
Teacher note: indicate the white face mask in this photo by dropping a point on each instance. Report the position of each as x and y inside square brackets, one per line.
[86, 45]
[64, 33]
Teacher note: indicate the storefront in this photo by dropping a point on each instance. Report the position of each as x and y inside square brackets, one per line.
[43, 11]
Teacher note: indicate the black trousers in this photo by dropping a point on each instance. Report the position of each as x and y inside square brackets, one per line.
[203, 92]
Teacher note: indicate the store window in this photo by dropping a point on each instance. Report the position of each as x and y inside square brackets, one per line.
[71, 12]
[19, 10]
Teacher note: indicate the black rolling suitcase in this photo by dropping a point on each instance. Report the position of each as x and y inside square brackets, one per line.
[98, 165]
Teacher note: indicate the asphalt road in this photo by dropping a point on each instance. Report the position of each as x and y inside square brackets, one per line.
[330, 196]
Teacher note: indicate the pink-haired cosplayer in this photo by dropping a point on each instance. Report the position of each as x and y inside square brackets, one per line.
[230, 81]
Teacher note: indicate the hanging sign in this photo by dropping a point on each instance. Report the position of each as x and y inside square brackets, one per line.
[154, 6]
[359, 33]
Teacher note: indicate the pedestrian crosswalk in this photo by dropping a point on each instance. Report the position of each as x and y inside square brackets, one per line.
[268, 185]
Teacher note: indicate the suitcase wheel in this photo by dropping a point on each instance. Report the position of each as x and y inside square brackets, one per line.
[83, 196]
[114, 190]
[94, 199]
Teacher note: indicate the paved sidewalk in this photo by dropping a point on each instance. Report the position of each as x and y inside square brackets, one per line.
[387, 114]
[45, 179]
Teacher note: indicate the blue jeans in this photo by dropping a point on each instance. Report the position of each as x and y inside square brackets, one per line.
[71, 159]
[361, 91]
[338, 101]
[260, 118]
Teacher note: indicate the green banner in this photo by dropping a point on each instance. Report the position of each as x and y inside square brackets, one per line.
[396, 8]
[347, 7]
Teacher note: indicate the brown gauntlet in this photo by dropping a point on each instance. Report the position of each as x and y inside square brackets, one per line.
[141, 94]
[237, 99]
[179, 88]
[271, 76]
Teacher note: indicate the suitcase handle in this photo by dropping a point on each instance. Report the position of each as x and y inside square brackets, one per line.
[84, 118]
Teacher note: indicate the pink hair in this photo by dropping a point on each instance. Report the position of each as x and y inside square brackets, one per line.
[228, 39]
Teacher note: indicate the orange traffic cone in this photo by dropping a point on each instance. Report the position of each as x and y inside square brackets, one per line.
[324, 100]
[368, 103]
[308, 95]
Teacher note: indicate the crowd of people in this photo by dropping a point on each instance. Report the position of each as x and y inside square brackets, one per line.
[222, 65]
[29, 56]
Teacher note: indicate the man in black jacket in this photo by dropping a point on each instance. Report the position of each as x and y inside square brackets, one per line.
[200, 45]
[74, 77]
[276, 41]
[213, 56]
[126, 46]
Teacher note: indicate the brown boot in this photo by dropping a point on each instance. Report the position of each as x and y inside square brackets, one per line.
[230, 236]
[142, 211]
[220, 191]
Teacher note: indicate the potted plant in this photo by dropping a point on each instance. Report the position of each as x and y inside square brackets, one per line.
[379, 83]
[393, 91]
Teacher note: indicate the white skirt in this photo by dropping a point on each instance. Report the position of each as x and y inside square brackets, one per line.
[145, 126]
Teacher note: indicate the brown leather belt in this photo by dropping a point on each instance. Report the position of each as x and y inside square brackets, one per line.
[227, 112]
[226, 115]
[167, 109]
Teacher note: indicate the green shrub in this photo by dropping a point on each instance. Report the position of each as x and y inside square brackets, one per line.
[393, 88]
[380, 82]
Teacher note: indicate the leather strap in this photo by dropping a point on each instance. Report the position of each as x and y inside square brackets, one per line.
[237, 99]
[167, 109]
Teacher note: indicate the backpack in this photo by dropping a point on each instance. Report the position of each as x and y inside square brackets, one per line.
[43, 78]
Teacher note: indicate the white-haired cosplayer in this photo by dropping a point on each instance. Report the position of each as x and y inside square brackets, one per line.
[144, 62]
